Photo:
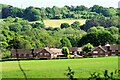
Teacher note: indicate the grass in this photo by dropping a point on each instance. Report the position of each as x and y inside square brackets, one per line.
[57, 23]
[57, 68]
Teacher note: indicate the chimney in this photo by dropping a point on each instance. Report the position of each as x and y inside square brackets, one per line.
[107, 47]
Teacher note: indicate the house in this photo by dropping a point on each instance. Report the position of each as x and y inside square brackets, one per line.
[50, 53]
[21, 53]
[36, 53]
[99, 51]
[56, 52]
[107, 50]
[42, 53]
[76, 50]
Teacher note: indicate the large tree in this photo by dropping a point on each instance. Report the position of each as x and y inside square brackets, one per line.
[87, 48]
[65, 42]
[65, 51]
[32, 14]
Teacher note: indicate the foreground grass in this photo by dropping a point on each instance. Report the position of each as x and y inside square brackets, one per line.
[57, 68]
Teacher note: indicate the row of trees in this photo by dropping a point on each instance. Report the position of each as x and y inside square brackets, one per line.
[113, 21]
[100, 36]
[76, 12]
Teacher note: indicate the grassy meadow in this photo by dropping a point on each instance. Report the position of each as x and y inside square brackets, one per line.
[57, 23]
[57, 68]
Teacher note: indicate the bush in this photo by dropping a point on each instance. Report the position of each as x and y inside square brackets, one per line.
[6, 54]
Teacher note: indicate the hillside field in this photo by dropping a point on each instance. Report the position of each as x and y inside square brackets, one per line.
[58, 68]
[57, 23]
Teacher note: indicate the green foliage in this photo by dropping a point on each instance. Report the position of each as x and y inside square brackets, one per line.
[16, 27]
[76, 25]
[75, 12]
[38, 25]
[32, 14]
[98, 36]
[87, 48]
[108, 12]
[102, 26]
[5, 53]
[65, 42]
[106, 75]
[70, 74]
[64, 25]
[65, 51]
[113, 30]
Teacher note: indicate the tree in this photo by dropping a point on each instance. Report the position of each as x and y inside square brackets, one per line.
[81, 8]
[32, 14]
[38, 25]
[56, 12]
[50, 13]
[113, 30]
[92, 29]
[97, 38]
[65, 51]
[76, 25]
[87, 48]
[6, 11]
[64, 25]
[16, 27]
[65, 42]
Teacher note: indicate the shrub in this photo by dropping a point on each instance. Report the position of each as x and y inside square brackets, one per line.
[5, 54]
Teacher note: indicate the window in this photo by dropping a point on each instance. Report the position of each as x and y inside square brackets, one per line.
[21, 55]
[46, 54]
[31, 55]
[27, 55]
[95, 52]
[118, 50]
[41, 53]
[113, 50]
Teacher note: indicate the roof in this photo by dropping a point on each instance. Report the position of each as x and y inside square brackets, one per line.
[101, 47]
[75, 49]
[21, 51]
[37, 50]
[112, 47]
[107, 45]
[48, 50]
[55, 50]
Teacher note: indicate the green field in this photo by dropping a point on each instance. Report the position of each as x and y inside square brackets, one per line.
[57, 23]
[57, 68]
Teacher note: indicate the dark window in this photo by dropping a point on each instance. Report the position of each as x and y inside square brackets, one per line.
[27, 55]
[22, 55]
